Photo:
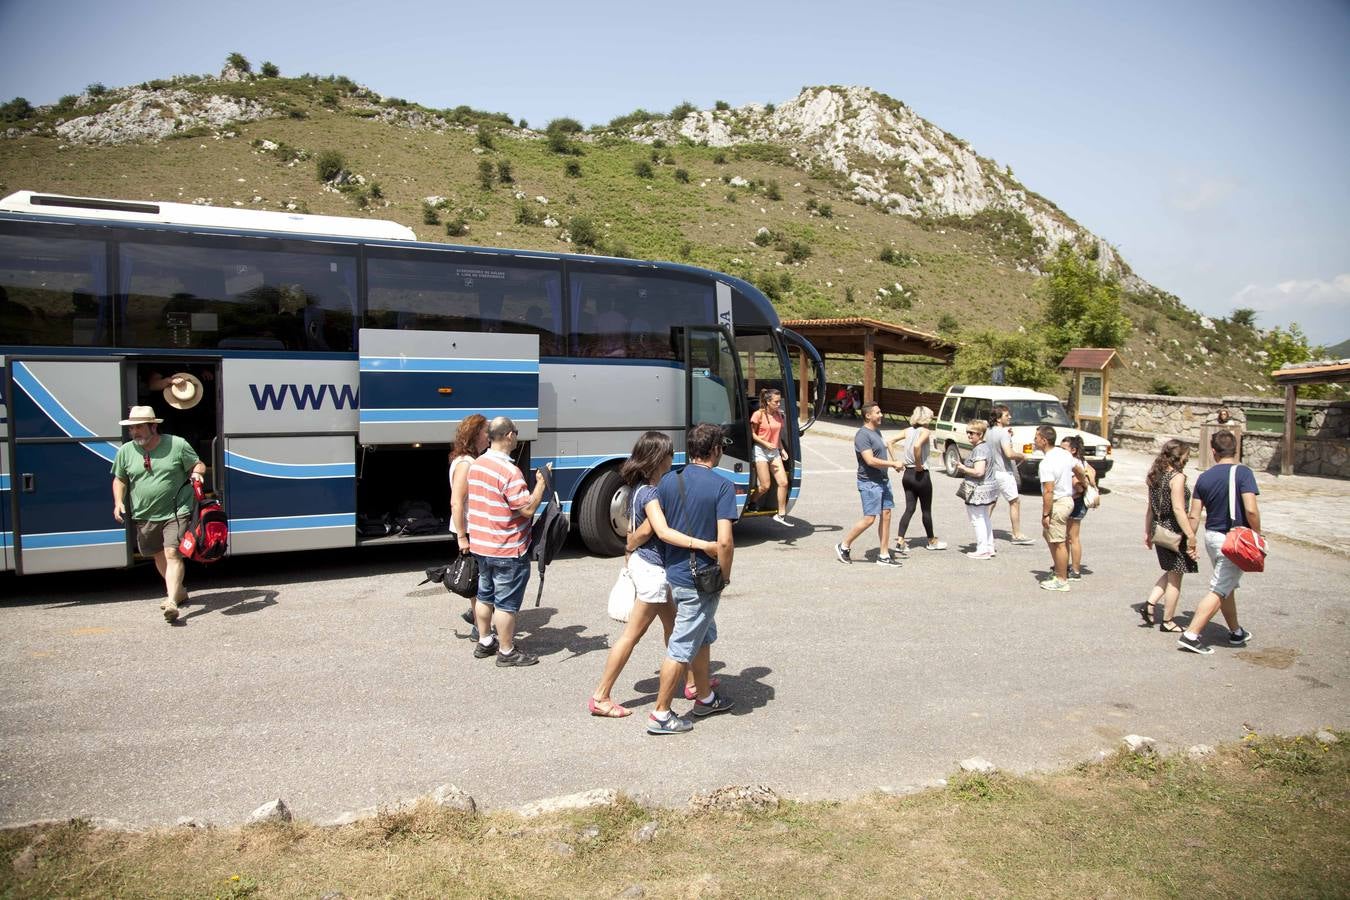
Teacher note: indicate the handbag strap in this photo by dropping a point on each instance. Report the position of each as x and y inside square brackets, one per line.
[1232, 495]
[684, 504]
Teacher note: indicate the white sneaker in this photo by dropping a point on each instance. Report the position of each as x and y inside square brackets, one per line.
[782, 520]
[936, 545]
[975, 554]
[1054, 584]
[901, 549]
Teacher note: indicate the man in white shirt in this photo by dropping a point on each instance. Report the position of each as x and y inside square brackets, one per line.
[1056, 476]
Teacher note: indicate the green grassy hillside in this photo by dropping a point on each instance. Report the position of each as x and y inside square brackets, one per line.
[824, 254]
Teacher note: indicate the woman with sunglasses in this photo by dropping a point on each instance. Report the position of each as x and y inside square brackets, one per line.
[981, 488]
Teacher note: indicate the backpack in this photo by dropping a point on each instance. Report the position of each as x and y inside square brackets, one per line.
[208, 533]
[549, 531]
[415, 517]
[1244, 547]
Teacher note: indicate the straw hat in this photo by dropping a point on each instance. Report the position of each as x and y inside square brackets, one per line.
[140, 415]
[184, 391]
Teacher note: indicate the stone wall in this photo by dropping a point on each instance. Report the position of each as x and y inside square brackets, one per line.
[1145, 421]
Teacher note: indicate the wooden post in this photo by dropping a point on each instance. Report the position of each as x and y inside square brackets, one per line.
[1106, 403]
[803, 387]
[1287, 451]
[869, 368]
[879, 376]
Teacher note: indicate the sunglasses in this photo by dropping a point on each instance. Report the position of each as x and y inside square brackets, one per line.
[147, 462]
[972, 432]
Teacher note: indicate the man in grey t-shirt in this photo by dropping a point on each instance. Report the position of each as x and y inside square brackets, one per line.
[1005, 459]
[874, 487]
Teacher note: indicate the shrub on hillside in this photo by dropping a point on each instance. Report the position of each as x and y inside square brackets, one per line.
[585, 234]
[270, 70]
[719, 159]
[796, 251]
[487, 138]
[820, 208]
[97, 89]
[565, 125]
[678, 114]
[528, 214]
[376, 192]
[504, 171]
[429, 214]
[947, 324]
[682, 176]
[486, 171]
[643, 169]
[559, 142]
[636, 117]
[239, 61]
[1163, 387]
[772, 191]
[457, 226]
[1243, 316]
[721, 106]
[329, 164]
[764, 237]
[572, 169]
[67, 102]
[894, 257]
[15, 110]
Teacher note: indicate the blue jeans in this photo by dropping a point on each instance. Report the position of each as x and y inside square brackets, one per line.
[502, 580]
[695, 622]
[876, 496]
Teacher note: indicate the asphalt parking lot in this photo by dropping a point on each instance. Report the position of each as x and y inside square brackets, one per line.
[335, 681]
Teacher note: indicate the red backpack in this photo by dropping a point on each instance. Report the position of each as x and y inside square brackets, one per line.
[208, 533]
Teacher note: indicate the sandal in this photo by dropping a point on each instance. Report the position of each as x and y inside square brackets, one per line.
[615, 711]
[1169, 626]
[1146, 613]
[691, 692]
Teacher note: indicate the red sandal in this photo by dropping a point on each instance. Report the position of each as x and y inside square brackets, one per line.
[615, 711]
[691, 691]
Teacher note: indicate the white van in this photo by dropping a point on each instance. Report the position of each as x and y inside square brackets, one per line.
[1029, 409]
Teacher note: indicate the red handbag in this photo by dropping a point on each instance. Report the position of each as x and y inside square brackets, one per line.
[1244, 547]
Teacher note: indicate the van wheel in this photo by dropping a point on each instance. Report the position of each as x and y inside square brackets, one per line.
[603, 515]
[951, 458]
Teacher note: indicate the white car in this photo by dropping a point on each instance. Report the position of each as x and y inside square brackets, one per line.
[1029, 409]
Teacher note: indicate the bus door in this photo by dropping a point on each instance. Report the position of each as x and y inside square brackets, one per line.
[63, 436]
[416, 386]
[714, 392]
[288, 430]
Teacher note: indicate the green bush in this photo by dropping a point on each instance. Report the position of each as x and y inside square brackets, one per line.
[429, 214]
[572, 169]
[848, 295]
[636, 117]
[1163, 387]
[558, 142]
[15, 110]
[270, 70]
[238, 61]
[457, 226]
[329, 164]
[686, 250]
[376, 192]
[1081, 307]
[523, 124]
[721, 106]
[528, 214]
[643, 169]
[894, 257]
[947, 324]
[820, 208]
[486, 174]
[504, 171]
[565, 125]
[487, 137]
[678, 114]
[731, 197]
[719, 159]
[796, 251]
[585, 234]
[682, 176]
[96, 89]
[1243, 316]
[1024, 356]
[66, 102]
[773, 192]
[764, 238]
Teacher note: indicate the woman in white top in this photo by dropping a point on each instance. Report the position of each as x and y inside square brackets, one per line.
[918, 487]
[980, 476]
[771, 456]
[470, 441]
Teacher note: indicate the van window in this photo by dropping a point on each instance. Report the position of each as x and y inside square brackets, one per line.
[1038, 412]
[948, 408]
[974, 408]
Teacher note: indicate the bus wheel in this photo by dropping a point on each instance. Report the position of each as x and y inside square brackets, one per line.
[951, 458]
[603, 515]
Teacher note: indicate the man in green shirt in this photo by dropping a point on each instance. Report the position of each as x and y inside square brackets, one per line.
[155, 466]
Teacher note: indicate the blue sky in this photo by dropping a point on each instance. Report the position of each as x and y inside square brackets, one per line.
[1207, 140]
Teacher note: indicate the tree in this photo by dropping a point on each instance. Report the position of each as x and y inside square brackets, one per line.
[270, 70]
[15, 110]
[240, 62]
[1291, 346]
[1243, 316]
[1082, 308]
[1023, 356]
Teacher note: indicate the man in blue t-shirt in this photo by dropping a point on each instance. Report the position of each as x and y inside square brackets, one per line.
[1212, 497]
[874, 487]
[698, 503]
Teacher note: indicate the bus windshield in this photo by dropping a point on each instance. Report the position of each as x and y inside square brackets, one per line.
[1038, 412]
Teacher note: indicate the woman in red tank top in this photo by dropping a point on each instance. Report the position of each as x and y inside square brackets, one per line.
[771, 455]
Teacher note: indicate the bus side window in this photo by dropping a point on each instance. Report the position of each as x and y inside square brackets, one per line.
[53, 292]
[626, 315]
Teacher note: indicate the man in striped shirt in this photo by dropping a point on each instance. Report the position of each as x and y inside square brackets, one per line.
[499, 513]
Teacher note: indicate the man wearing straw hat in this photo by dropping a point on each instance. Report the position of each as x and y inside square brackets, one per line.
[155, 467]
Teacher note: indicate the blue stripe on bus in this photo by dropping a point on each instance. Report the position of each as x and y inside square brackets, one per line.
[395, 390]
[52, 408]
[4, 482]
[267, 469]
[587, 462]
[394, 365]
[521, 415]
[291, 523]
[250, 496]
[6, 539]
[66, 539]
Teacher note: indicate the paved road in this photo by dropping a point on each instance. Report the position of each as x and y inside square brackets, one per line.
[333, 680]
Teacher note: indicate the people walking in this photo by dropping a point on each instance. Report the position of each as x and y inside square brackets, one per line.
[1057, 471]
[915, 481]
[980, 489]
[1005, 459]
[1225, 494]
[500, 510]
[770, 451]
[701, 504]
[471, 439]
[874, 488]
[155, 469]
[642, 472]
[1169, 499]
[1083, 479]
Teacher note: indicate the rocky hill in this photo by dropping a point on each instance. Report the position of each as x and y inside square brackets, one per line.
[839, 201]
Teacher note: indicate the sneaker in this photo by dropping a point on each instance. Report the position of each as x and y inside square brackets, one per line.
[842, 552]
[719, 704]
[517, 657]
[1054, 584]
[482, 651]
[890, 562]
[1075, 576]
[901, 549]
[977, 554]
[1195, 645]
[467, 616]
[936, 545]
[473, 634]
[672, 725]
[1022, 539]
[1239, 637]
[782, 520]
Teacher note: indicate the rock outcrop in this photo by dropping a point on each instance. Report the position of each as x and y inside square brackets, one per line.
[147, 115]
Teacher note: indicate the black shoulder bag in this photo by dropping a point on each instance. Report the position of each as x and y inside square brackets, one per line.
[709, 580]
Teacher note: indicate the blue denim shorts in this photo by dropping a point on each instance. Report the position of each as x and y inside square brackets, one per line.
[695, 622]
[1080, 509]
[876, 496]
[502, 580]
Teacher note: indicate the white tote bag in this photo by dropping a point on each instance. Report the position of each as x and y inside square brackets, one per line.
[622, 596]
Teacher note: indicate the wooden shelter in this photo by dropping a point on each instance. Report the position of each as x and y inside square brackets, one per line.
[871, 339]
[1291, 376]
[1091, 367]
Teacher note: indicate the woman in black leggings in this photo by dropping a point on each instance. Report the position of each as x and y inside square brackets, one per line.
[918, 487]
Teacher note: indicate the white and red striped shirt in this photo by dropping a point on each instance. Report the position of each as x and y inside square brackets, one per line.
[496, 491]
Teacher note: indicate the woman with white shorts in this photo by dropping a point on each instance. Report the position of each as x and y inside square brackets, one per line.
[770, 453]
[651, 459]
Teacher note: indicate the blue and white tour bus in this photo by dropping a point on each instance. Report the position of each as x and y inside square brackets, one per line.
[338, 356]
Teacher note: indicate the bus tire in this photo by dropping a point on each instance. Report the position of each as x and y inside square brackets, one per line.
[602, 516]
